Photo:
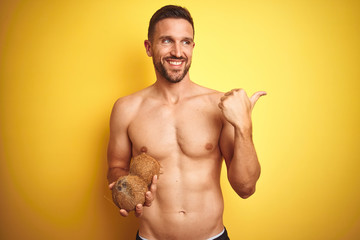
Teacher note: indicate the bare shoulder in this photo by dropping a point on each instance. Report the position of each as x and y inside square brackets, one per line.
[210, 94]
[125, 108]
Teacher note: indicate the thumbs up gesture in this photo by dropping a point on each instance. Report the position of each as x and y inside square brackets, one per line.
[236, 107]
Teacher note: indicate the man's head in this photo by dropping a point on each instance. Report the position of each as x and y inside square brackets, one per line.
[171, 42]
[169, 11]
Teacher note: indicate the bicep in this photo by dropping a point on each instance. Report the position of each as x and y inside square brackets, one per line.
[119, 150]
[119, 146]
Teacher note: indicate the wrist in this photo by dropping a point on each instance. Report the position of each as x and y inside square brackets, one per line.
[243, 131]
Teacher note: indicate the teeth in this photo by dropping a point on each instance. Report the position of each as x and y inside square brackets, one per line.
[175, 63]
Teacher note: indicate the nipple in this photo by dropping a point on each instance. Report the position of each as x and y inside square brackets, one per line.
[209, 146]
[143, 149]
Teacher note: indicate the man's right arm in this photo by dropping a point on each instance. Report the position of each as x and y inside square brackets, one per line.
[120, 150]
[119, 147]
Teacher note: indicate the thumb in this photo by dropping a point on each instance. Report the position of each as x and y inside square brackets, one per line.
[255, 97]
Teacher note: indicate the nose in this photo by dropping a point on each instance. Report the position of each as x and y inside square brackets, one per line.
[176, 50]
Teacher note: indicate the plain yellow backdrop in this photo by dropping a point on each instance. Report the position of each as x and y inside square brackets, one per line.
[64, 63]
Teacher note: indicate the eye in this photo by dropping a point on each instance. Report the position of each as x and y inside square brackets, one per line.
[166, 41]
[186, 42]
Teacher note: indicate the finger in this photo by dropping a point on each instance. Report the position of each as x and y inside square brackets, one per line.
[255, 97]
[155, 179]
[138, 210]
[220, 105]
[236, 89]
[149, 197]
[111, 185]
[153, 185]
[124, 213]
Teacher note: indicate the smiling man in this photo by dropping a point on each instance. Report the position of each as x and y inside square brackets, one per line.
[189, 129]
[174, 66]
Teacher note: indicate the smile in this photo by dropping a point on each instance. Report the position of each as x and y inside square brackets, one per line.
[175, 63]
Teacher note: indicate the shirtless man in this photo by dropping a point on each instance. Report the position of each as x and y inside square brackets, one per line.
[189, 129]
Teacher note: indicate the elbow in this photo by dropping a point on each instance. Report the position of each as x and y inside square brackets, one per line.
[242, 188]
[246, 192]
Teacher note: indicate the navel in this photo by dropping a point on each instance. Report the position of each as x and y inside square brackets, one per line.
[143, 149]
[209, 146]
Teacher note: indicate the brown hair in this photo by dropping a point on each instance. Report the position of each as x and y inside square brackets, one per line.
[169, 11]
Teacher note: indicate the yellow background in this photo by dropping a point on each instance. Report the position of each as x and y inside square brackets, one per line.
[64, 63]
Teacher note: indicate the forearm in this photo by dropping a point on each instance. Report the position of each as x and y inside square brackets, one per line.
[115, 172]
[244, 169]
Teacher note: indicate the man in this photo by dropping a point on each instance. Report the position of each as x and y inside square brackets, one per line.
[189, 129]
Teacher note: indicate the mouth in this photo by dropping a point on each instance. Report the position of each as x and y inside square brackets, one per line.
[175, 62]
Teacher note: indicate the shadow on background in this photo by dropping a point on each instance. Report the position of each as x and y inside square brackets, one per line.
[138, 69]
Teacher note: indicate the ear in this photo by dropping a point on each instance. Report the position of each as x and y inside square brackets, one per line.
[147, 45]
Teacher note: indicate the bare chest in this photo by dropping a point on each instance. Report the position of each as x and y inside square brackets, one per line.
[191, 129]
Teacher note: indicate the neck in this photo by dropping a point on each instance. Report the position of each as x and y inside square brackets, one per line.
[173, 92]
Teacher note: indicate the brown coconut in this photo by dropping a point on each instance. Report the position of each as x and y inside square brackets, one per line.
[128, 192]
[145, 167]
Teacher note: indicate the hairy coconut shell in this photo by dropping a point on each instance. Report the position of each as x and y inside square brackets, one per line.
[145, 167]
[128, 192]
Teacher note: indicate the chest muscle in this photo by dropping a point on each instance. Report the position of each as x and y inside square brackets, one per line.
[188, 129]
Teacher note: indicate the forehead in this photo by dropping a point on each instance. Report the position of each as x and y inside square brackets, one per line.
[177, 28]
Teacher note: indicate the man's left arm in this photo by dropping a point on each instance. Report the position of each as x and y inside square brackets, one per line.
[236, 144]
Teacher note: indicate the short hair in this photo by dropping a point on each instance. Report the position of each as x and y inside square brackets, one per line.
[169, 11]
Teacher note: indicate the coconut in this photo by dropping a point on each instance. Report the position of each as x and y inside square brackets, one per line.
[128, 192]
[145, 167]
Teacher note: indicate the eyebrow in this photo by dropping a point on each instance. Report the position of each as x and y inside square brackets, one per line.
[189, 39]
[169, 37]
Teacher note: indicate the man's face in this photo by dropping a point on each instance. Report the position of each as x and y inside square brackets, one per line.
[171, 48]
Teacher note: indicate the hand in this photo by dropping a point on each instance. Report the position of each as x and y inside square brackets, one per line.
[237, 107]
[149, 198]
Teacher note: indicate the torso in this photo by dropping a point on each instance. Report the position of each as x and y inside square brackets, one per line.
[184, 138]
